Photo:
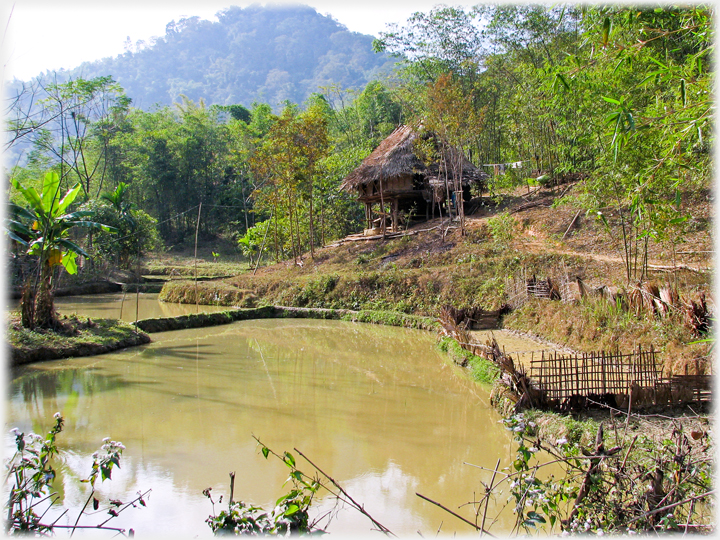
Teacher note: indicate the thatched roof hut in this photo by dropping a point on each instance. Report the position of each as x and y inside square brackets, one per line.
[395, 174]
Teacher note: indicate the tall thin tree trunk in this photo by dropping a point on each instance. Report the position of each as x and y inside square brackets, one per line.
[277, 258]
[292, 233]
[312, 229]
[322, 221]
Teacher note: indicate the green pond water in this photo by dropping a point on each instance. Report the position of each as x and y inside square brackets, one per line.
[378, 408]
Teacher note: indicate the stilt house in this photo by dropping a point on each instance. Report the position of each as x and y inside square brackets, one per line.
[394, 179]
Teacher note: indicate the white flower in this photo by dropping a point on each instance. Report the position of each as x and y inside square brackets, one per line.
[15, 431]
[532, 449]
[600, 532]
[562, 441]
[95, 455]
[57, 416]
[106, 440]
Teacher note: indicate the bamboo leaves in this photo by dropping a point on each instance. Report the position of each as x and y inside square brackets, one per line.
[623, 123]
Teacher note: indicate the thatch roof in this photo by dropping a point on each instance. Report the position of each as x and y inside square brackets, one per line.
[397, 155]
[392, 157]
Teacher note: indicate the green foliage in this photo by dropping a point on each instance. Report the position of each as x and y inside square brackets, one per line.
[605, 490]
[135, 232]
[447, 39]
[481, 370]
[254, 242]
[71, 126]
[289, 160]
[289, 516]
[503, 229]
[31, 476]
[43, 226]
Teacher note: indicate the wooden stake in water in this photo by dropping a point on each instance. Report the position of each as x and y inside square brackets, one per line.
[137, 289]
[197, 228]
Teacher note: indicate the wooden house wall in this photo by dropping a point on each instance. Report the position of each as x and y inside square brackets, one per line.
[397, 185]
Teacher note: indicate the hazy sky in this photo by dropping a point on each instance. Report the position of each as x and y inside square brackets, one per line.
[41, 35]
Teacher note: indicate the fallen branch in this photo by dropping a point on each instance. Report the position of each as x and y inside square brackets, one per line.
[454, 514]
[671, 506]
[352, 501]
[666, 268]
[533, 204]
[571, 224]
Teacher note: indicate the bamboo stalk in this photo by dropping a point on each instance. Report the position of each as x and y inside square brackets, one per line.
[197, 230]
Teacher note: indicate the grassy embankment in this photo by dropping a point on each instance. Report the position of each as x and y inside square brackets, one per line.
[419, 274]
[75, 336]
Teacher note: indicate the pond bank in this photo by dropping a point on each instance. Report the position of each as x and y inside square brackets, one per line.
[77, 336]
[197, 320]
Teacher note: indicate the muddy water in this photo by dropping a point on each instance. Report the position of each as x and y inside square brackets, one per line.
[124, 306]
[522, 349]
[378, 408]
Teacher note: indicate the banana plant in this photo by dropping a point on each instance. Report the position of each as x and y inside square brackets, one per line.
[123, 208]
[43, 226]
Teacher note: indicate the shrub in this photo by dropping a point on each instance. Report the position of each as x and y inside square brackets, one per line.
[31, 475]
[502, 229]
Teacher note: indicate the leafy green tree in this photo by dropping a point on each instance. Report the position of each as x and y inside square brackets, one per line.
[73, 124]
[658, 120]
[254, 242]
[43, 225]
[136, 231]
[452, 118]
[289, 159]
[446, 39]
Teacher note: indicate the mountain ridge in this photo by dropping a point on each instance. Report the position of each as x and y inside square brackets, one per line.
[269, 54]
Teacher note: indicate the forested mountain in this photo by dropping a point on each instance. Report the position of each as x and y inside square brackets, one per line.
[260, 53]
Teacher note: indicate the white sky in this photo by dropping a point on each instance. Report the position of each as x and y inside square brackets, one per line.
[40, 35]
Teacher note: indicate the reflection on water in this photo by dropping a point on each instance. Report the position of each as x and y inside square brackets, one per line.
[127, 306]
[124, 306]
[378, 408]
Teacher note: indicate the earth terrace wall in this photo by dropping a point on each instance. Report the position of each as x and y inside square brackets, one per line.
[198, 320]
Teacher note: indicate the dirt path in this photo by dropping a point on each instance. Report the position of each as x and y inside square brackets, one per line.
[535, 244]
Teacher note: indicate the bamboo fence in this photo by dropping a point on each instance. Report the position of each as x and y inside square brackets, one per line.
[560, 376]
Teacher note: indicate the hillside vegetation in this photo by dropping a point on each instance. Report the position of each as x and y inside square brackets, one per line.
[421, 272]
[592, 119]
[269, 54]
